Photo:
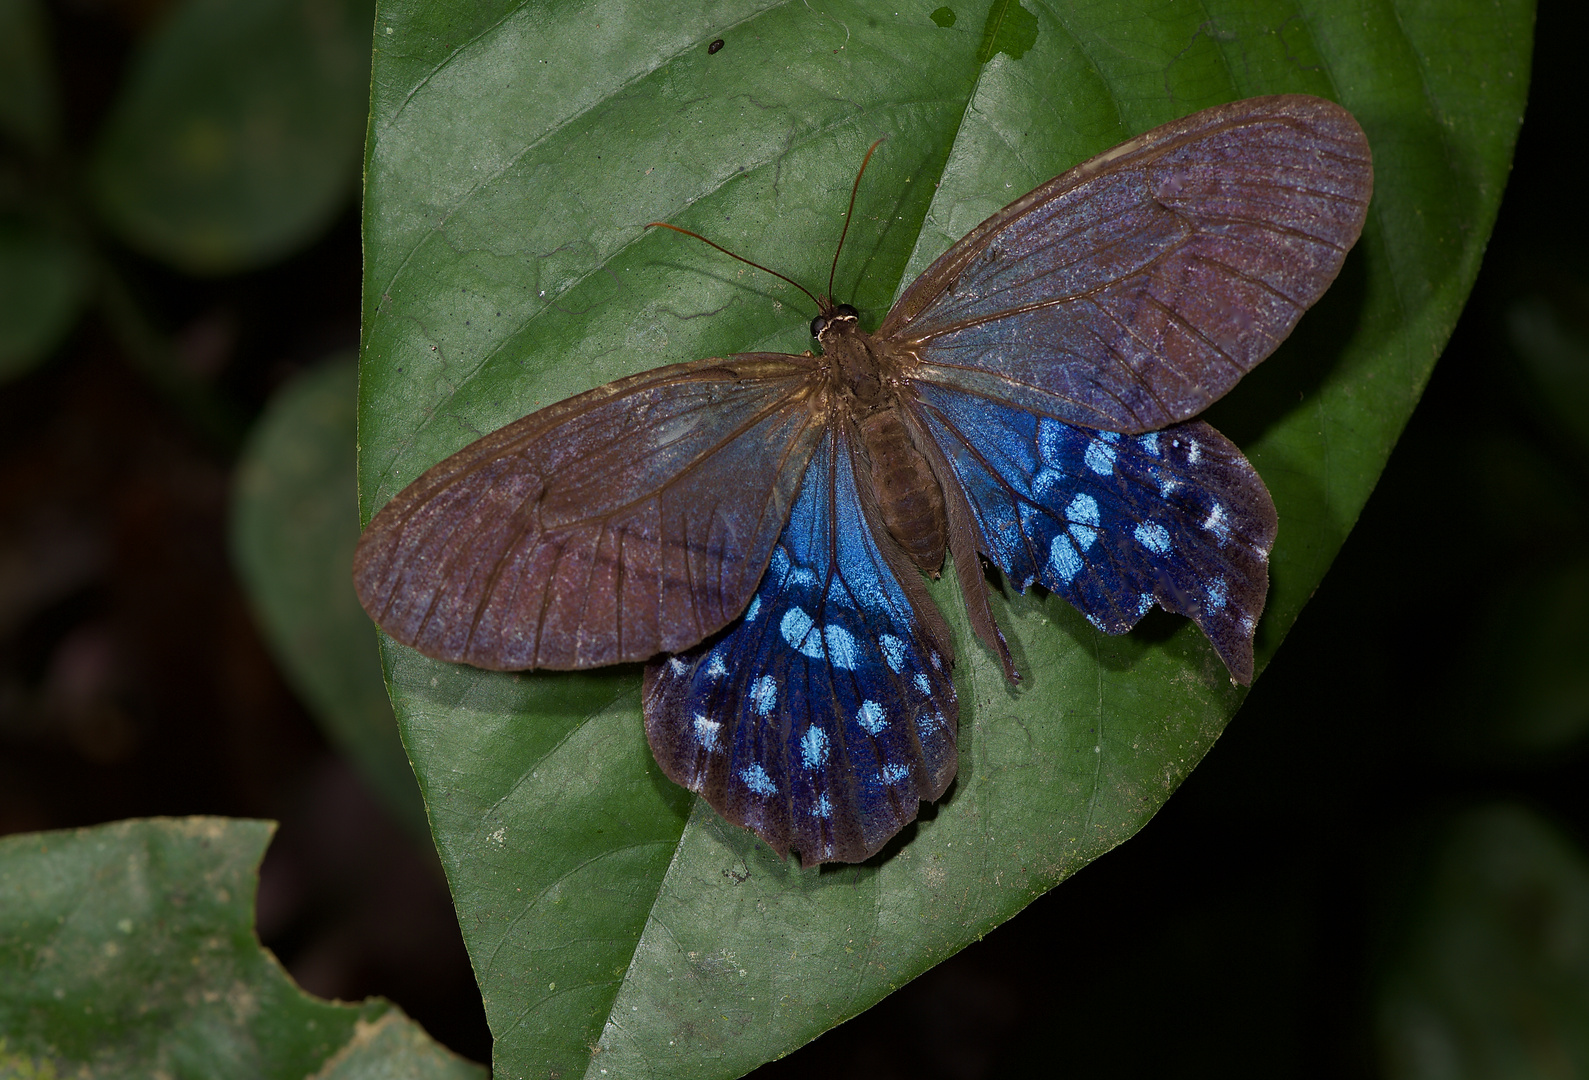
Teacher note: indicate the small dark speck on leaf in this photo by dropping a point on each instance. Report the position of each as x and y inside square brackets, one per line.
[714, 46]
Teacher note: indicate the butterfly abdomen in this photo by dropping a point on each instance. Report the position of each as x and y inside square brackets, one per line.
[907, 492]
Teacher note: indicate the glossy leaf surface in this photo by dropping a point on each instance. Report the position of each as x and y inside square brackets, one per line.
[514, 159]
[128, 950]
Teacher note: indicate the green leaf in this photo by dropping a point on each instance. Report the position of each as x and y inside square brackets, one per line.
[44, 279]
[294, 522]
[236, 138]
[514, 160]
[128, 950]
[29, 111]
[1490, 975]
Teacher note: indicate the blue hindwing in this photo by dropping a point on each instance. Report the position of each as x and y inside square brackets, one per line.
[1115, 523]
[825, 715]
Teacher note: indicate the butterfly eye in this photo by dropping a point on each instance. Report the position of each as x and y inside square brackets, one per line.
[819, 324]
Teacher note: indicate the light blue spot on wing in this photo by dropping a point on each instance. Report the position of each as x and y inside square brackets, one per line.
[754, 609]
[1045, 481]
[923, 685]
[1100, 456]
[1149, 442]
[893, 651]
[756, 778]
[871, 717]
[823, 808]
[1218, 523]
[795, 626]
[841, 647]
[894, 773]
[715, 668]
[814, 748]
[764, 694]
[1082, 513]
[1154, 537]
[1051, 441]
[1217, 594]
[1063, 561]
[706, 732]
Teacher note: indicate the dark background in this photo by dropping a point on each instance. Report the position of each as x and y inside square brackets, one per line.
[1246, 929]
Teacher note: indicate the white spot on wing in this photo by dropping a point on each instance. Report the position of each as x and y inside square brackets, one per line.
[841, 647]
[756, 778]
[1217, 594]
[1218, 523]
[1063, 562]
[893, 651]
[1100, 456]
[1153, 536]
[795, 626]
[1082, 513]
[706, 732]
[764, 694]
[814, 748]
[871, 717]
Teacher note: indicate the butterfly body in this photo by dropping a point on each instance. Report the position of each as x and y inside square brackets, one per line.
[763, 521]
[868, 379]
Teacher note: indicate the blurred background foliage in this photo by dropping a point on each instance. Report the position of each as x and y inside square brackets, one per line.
[179, 270]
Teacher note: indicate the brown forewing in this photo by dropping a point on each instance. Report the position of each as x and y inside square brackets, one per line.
[633, 519]
[1132, 291]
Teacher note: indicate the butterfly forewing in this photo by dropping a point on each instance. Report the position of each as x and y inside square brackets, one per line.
[628, 521]
[823, 717]
[1131, 292]
[1116, 523]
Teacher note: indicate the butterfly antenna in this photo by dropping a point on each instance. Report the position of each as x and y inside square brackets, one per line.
[741, 258]
[848, 213]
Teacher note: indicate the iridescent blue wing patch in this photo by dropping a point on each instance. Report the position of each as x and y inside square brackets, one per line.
[1115, 523]
[825, 715]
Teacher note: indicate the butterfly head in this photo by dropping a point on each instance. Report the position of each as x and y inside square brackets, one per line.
[830, 319]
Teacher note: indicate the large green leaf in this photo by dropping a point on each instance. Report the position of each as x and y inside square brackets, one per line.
[294, 522]
[516, 154]
[235, 140]
[129, 950]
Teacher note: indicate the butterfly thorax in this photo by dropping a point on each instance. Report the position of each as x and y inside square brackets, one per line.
[909, 498]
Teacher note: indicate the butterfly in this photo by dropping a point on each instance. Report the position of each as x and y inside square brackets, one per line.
[756, 527]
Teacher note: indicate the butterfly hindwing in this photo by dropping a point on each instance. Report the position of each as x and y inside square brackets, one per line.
[629, 520]
[823, 717]
[1115, 523]
[1133, 291]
